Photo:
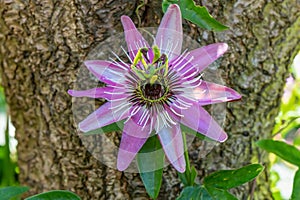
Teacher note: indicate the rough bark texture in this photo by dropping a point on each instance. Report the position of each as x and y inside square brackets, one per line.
[44, 42]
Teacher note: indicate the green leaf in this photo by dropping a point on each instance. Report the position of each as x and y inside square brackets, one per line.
[188, 177]
[296, 186]
[285, 151]
[194, 193]
[183, 179]
[55, 195]
[150, 163]
[193, 174]
[117, 126]
[196, 14]
[226, 179]
[167, 3]
[216, 193]
[8, 193]
[204, 193]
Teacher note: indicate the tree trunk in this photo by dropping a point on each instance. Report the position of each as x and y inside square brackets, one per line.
[44, 42]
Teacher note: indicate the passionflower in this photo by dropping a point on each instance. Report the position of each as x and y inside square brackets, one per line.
[159, 89]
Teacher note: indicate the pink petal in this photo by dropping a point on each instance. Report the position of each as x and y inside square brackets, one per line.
[169, 35]
[210, 93]
[133, 138]
[133, 37]
[101, 117]
[106, 71]
[199, 119]
[206, 55]
[171, 141]
[108, 93]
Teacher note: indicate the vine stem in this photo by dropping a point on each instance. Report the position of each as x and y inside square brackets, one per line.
[187, 160]
[282, 128]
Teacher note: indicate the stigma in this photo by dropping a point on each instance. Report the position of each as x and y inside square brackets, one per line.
[150, 69]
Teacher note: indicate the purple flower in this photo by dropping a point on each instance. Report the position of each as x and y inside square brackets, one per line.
[157, 91]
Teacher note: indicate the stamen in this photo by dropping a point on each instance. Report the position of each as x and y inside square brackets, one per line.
[127, 54]
[117, 87]
[112, 93]
[119, 60]
[121, 99]
[180, 56]
[157, 123]
[151, 125]
[169, 118]
[173, 77]
[188, 70]
[119, 107]
[114, 72]
[164, 121]
[179, 115]
[135, 110]
[181, 60]
[194, 86]
[198, 84]
[142, 117]
[141, 120]
[191, 75]
[128, 118]
[189, 61]
[184, 103]
[118, 64]
[190, 82]
[148, 116]
[126, 110]
[178, 106]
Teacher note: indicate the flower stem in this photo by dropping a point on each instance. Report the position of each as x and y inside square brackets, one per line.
[186, 154]
[186, 177]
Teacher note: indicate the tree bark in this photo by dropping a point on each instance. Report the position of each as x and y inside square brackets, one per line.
[44, 42]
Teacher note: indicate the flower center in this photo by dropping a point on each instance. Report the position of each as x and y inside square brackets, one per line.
[153, 91]
[150, 78]
[150, 93]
